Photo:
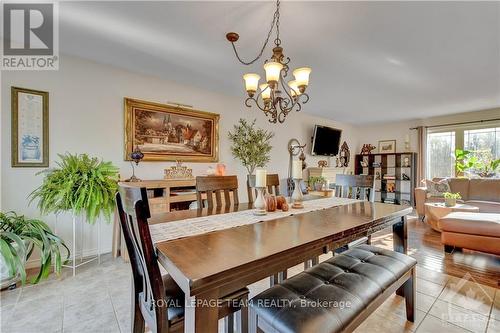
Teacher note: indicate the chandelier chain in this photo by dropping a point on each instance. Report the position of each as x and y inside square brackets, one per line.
[276, 20]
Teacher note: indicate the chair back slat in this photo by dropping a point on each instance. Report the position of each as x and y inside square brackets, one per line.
[355, 186]
[272, 182]
[212, 186]
[133, 210]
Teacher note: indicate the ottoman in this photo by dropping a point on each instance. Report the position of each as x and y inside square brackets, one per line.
[474, 231]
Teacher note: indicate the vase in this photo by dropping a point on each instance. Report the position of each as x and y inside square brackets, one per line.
[450, 202]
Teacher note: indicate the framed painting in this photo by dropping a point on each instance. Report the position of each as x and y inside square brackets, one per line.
[30, 128]
[170, 133]
[387, 146]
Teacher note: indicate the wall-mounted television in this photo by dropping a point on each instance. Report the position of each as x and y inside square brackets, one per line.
[325, 141]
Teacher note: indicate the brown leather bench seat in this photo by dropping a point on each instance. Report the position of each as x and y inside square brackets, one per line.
[332, 295]
[475, 231]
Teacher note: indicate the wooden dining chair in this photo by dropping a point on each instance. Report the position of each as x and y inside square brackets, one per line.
[215, 186]
[355, 186]
[157, 300]
[360, 187]
[273, 186]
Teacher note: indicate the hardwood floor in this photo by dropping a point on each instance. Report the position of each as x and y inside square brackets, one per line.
[425, 246]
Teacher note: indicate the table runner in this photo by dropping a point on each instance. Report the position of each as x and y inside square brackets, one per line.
[199, 225]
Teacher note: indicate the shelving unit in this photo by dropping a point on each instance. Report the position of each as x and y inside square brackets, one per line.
[397, 190]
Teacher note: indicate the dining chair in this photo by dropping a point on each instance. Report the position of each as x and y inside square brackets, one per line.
[355, 186]
[360, 187]
[157, 300]
[214, 186]
[273, 187]
[272, 182]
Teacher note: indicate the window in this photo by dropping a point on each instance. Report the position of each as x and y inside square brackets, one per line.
[442, 142]
[485, 140]
[440, 154]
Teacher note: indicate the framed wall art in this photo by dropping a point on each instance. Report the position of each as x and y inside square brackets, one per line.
[170, 133]
[387, 146]
[30, 128]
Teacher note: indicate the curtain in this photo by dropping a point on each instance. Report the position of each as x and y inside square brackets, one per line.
[422, 146]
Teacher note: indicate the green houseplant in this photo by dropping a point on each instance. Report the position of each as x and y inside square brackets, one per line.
[80, 184]
[19, 236]
[450, 199]
[316, 183]
[250, 145]
[480, 163]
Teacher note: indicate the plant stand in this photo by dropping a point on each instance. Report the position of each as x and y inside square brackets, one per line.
[81, 258]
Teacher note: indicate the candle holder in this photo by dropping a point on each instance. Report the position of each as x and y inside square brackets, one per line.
[297, 197]
[260, 203]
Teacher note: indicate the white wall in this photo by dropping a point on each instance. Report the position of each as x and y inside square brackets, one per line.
[86, 116]
[398, 130]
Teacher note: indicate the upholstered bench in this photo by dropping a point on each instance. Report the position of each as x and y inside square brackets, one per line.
[337, 294]
[474, 231]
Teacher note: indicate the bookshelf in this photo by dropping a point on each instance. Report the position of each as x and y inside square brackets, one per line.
[394, 173]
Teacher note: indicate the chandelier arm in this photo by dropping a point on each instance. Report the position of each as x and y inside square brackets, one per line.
[274, 22]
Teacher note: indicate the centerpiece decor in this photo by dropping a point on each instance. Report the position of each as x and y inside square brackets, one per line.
[297, 197]
[276, 97]
[250, 145]
[450, 199]
[260, 185]
[82, 185]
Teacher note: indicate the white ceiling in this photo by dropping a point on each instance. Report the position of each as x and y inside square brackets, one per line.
[371, 61]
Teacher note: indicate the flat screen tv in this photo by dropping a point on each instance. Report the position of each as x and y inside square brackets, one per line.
[326, 141]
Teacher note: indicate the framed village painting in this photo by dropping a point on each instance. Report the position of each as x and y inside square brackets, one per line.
[170, 133]
[30, 128]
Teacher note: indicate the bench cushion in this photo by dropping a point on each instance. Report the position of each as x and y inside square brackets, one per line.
[483, 224]
[326, 297]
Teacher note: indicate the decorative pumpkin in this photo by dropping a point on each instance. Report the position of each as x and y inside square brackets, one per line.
[280, 200]
[271, 203]
[285, 207]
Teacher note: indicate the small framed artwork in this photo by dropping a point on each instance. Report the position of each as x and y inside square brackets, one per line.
[30, 128]
[387, 146]
[170, 133]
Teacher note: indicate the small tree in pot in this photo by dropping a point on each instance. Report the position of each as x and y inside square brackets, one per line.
[251, 145]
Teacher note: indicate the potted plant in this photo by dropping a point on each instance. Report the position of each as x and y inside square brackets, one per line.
[317, 183]
[250, 145]
[19, 236]
[81, 185]
[450, 199]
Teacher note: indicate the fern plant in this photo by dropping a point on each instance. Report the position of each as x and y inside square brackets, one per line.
[250, 145]
[19, 236]
[80, 184]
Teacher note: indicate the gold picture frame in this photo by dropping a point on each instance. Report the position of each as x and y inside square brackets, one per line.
[170, 133]
[30, 128]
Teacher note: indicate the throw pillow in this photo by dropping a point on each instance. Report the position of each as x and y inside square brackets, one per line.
[437, 189]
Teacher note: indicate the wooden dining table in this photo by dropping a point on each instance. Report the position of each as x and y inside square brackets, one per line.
[210, 266]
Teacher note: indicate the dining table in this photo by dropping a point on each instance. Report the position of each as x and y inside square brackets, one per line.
[210, 265]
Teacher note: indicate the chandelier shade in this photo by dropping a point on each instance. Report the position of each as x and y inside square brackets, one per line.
[273, 70]
[251, 82]
[277, 97]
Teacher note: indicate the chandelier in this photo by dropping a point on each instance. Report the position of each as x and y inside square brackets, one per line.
[276, 98]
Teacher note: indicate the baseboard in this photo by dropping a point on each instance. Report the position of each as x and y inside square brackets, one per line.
[33, 263]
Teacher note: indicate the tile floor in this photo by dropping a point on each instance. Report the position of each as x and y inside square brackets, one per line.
[98, 300]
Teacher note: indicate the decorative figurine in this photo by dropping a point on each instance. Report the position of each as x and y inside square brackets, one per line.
[367, 149]
[322, 164]
[345, 155]
[178, 171]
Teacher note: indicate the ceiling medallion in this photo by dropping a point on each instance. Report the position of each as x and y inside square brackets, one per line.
[275, 98]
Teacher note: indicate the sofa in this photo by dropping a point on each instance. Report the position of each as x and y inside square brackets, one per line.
[483, 193]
